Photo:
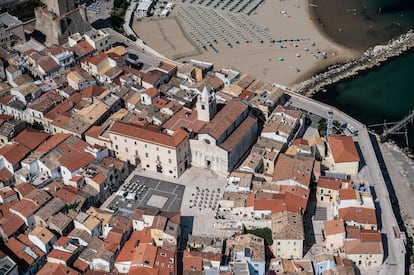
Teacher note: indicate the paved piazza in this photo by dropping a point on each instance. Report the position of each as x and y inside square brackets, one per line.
[139, 190]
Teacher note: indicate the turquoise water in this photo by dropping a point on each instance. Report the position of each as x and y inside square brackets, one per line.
[384, 94]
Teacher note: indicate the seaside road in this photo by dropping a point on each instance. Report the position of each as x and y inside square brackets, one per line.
[394, 249]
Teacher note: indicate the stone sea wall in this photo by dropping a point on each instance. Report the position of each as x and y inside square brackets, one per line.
[371, 58]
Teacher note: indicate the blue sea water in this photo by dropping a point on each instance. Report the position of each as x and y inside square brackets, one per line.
[386, 93]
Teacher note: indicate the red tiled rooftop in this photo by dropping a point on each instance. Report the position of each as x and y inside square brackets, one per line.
[56, 269]
[343, 149]
[14, 153]
[334, 227]
[31, 138]
[25, 208]
[329, 183]
[92, 91]
[59, 255]
[184, 118]
[52, 142]
[347, 194]
[5, 175]
[24, 188]
[149, 135]
[358, 214]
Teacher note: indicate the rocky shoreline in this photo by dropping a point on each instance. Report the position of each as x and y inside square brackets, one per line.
[371, 58]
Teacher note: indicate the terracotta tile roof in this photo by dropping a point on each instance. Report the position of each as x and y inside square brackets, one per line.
[224, 119]
[143, 270]
[14, 153]
[360, 247]
[31, 138]
[56, 269]
[86, 47]
[92, 91]
[347, 194]
[5, 175]
[63, 240]
[58, 50]
[80, 265]
[343, 149]
[70, 103]
[246, 95]
[300, 141]
[5, 118]
[10, 223]
[334, 227]
[149, 135]
[358, 214]
[52, 142]
[59, 255]
[329, 183]
[114, 237]
[25, 207]
[145, 235]
[17, 248]
[293, 168]
[184, 118]
[165, 262]
[24, 188]
[6, 99]
[48, 65]
[96, 59]
[238, 134]
[73, 155]
[152, 92]
[145, 255]
[127, 252]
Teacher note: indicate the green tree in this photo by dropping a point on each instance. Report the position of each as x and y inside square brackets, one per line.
[38, 125]
[25, 11]
[132, 37]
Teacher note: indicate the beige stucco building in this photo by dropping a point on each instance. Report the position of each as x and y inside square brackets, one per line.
[154, 150]
[288, 235]
[343, 154]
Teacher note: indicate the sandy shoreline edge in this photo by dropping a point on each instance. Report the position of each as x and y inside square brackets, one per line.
[283, 20]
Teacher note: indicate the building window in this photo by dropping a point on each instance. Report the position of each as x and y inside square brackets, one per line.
[169, 160]
[135, 142]
[156, 148]
[203, 107]
[146, 155]
[169, 151]
[145, 145]
[116, 147]
[126, 149]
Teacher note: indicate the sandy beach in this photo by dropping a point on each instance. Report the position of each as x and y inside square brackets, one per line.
[294, 46]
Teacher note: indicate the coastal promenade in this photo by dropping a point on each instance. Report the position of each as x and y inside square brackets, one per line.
[394, 248]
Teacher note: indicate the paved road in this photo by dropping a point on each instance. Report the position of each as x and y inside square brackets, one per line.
[371, 172]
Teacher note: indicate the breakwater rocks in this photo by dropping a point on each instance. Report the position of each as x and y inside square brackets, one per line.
[371, 58]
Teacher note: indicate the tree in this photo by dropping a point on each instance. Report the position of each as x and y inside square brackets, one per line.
[25, 11]
[38, 125]
[132, 37]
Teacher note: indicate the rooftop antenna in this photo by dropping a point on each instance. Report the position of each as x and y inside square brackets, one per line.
[329, 123]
